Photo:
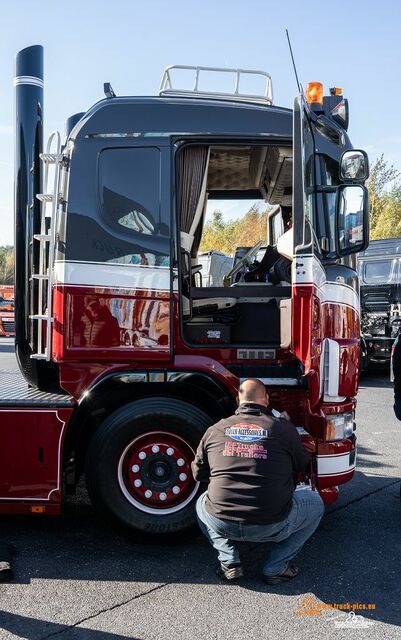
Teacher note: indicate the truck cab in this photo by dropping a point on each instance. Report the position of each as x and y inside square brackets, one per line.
[136, 355]
[379, 269]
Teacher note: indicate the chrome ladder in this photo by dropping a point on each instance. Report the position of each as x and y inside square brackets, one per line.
[42, 305]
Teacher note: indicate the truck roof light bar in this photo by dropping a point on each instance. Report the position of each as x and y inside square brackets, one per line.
[167, 87]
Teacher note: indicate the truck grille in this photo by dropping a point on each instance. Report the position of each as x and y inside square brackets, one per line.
[376, 299]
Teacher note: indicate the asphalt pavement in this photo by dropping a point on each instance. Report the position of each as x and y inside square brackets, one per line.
[79, 578]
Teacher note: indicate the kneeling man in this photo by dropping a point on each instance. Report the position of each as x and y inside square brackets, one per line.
[251, 459]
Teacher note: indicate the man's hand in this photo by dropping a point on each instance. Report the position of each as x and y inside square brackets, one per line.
[309, 445]
[285, 416]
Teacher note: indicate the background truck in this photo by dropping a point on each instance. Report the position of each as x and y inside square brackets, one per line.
[125, 359]
[379, 269]
[7, 324]
[214, 266]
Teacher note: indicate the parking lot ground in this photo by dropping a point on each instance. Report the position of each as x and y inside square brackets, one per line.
[79, 578]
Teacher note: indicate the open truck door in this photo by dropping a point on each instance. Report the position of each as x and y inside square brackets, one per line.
[330, 222]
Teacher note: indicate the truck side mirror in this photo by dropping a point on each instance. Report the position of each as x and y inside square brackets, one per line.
[352, 219]
[354, 165]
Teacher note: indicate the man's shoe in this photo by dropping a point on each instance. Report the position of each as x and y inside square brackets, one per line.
[291, 571]
[230, 572]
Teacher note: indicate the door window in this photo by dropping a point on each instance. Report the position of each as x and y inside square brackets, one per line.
[130, 208]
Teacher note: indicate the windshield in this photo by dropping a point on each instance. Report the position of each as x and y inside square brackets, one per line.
[378, 272]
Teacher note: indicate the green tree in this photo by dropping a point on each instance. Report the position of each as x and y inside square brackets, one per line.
[6, 265]
[225, 236]
[385, 200]
[388, 222]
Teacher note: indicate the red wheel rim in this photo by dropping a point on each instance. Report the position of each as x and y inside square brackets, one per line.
[154, 472]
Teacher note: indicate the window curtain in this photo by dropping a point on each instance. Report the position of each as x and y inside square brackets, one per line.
[193, 165]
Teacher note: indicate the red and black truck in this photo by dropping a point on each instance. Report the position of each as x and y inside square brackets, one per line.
[125, 358]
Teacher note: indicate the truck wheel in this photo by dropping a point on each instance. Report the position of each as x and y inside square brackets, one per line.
[138, 466]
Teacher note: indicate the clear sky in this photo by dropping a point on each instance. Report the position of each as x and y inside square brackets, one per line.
[354, 44]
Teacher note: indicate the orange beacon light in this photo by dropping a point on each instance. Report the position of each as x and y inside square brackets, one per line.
[314, 92]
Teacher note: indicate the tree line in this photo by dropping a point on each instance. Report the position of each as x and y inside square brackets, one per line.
[384, 187]
[385, 200]
[225, 235]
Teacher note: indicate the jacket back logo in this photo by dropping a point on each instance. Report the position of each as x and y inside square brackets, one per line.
[244, 432]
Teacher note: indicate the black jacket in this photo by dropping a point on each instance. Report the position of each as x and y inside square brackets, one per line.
[251, 459]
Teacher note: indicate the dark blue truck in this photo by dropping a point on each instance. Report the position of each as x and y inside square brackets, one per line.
[379, 269]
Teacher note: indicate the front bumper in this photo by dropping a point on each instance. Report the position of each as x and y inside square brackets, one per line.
[335, 462]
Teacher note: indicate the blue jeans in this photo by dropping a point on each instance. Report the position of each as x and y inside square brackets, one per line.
[289, 534]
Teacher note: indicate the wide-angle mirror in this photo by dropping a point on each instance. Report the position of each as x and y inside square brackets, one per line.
[354, 165]
[352, 219]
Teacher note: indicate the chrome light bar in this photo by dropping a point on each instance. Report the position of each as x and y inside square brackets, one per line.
[167, 87]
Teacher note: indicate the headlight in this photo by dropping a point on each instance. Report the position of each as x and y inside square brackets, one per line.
[339, 426]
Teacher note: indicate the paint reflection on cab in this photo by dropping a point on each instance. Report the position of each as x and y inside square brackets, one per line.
[107, 321]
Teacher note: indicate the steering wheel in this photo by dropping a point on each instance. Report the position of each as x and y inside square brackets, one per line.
[245, 260]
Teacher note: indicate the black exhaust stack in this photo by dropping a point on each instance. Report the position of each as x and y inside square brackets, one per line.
[28, 84]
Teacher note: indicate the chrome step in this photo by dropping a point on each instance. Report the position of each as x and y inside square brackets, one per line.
[42, 236]
[38, 316]
[50, 158]
[45, 197]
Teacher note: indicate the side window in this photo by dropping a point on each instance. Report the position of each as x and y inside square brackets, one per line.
[303, 178]
[129, 196]
[330, 177]
[309, 176]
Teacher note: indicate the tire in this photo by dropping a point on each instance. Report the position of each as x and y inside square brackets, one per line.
[145, 449]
